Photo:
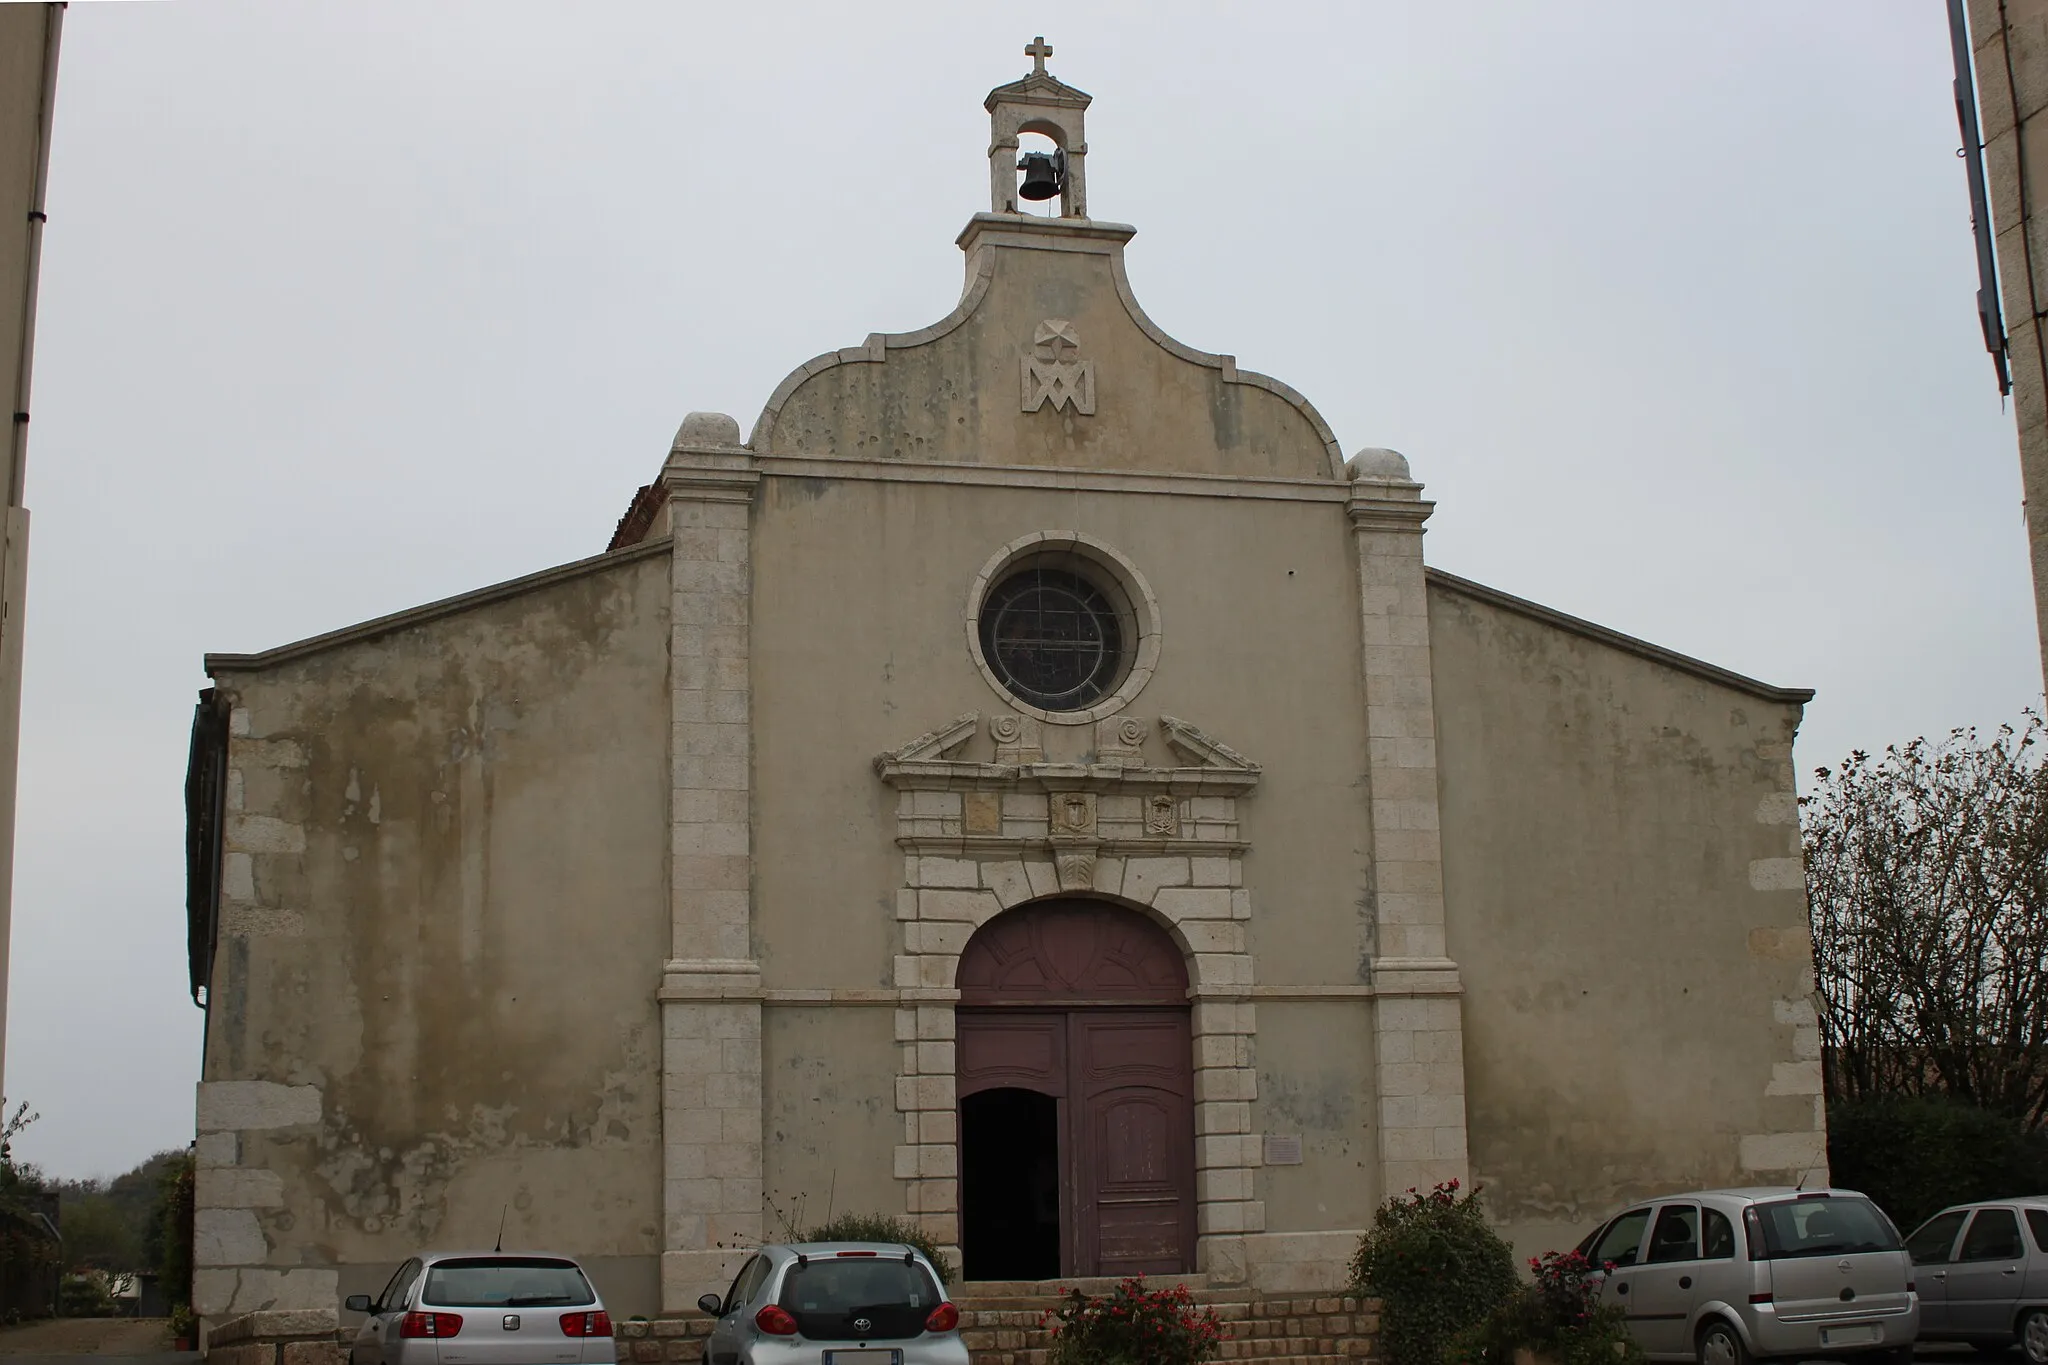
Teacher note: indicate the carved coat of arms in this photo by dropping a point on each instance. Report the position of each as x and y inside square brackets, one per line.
[1054, 372]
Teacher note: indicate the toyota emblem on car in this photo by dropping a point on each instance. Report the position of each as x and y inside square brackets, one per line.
[863, 1326]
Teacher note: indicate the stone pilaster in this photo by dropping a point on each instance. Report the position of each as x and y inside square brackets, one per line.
[711, 987]
[1417, 1013]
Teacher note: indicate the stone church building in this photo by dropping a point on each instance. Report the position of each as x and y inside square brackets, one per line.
[1032, 784]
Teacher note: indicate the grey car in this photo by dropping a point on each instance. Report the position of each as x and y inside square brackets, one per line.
[1724, 1277]
[1983, 1272]
[835, 1303]
[484, 1308]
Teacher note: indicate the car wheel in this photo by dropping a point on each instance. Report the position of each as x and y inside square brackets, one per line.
[2034, 1336]
[1721, 1344]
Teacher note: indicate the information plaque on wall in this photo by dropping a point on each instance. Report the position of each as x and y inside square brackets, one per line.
[1283, 1149]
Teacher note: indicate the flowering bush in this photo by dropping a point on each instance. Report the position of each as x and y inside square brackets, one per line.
[1557, 1316]
[1133, 1325]
[1437, 1269]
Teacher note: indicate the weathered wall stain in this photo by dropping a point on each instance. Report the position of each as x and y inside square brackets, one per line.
[1599, 834]
[446, 914]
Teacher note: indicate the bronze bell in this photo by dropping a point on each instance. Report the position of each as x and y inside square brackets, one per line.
[1041, 176]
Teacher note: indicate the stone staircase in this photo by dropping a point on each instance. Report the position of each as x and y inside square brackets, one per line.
[1004, 1323]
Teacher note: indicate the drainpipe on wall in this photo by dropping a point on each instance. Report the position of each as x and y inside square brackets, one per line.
[14, 530]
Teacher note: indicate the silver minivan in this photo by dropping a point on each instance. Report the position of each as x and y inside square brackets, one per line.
[1983, 1272]
[484, 1308]
[834, 1303]
[1725, 1276]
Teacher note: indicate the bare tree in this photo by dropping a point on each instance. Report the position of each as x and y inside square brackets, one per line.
[1927, 871]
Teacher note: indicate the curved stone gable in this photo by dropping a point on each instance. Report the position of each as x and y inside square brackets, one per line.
[1048, 360]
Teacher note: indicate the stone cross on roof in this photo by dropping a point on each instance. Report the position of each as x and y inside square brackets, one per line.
[1038, 50]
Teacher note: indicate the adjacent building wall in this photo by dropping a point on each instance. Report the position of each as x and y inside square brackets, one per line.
[28, 72]
[1627, 908]
[2010, 42]
[443, 921]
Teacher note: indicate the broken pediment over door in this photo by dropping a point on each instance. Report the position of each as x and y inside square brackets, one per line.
[1113, 804]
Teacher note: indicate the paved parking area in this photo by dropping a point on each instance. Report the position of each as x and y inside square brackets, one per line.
[133, 1341]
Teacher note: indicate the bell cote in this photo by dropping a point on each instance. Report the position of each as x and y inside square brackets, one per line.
[1038, 104]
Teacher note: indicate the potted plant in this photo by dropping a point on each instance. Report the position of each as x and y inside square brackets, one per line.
[184, 1328]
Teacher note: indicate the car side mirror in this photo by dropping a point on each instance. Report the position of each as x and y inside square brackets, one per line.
[712, 1304]
[357, 1303]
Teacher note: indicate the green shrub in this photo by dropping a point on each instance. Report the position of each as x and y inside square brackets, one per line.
[171, 1236]
[84, 1296]
[1437, 1269]
[1133, 1325]
[881, 1227]
[1917, 1154]
[1556, 1316]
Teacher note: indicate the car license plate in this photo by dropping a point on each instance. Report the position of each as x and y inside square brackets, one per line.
[863, 1358]
[1862, 1335]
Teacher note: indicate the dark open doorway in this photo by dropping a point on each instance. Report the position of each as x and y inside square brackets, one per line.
[1009, 1185]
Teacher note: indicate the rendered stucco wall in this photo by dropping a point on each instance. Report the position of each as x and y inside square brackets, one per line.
[1626, 908]
[859, 644]
[443, 923]
[830, 1123]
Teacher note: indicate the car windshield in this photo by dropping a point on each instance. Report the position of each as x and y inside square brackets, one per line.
[506, 1282]
[1824, 1225]
[846, 1298]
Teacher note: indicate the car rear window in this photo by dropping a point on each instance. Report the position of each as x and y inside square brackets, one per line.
[831, 1298]
[1825, 1225]
[506, 1281]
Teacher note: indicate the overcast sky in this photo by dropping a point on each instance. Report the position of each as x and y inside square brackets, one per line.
[350, 306]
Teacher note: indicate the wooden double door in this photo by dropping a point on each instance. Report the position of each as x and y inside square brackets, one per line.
[1076, 1097]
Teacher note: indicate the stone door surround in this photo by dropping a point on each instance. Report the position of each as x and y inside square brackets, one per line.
[981, 838]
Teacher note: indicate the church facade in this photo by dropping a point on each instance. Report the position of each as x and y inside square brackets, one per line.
[1033, 785]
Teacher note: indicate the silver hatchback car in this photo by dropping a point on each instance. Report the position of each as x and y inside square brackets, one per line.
[1983, 1272]
[835, 1303]
[484, 1308]
[1726, 1276]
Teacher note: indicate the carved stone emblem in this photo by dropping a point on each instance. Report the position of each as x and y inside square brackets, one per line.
[1076, 869]
[1054, 372]
[1162, 816]
[1073, 815]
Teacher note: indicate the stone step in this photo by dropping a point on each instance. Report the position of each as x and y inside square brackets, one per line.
[1038, 1357]
[1087, 1284]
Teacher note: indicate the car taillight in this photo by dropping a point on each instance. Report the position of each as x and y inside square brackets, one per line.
[430, 1324]
[598, 1324]
[775, 1321]
[1764, 1297]
[944, 1318]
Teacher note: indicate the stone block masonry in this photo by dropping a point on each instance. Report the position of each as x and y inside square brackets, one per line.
[303, 1337]
[711, 986]
[1418, 1014]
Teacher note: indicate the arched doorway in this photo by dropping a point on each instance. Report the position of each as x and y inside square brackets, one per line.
[1077, 1135]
